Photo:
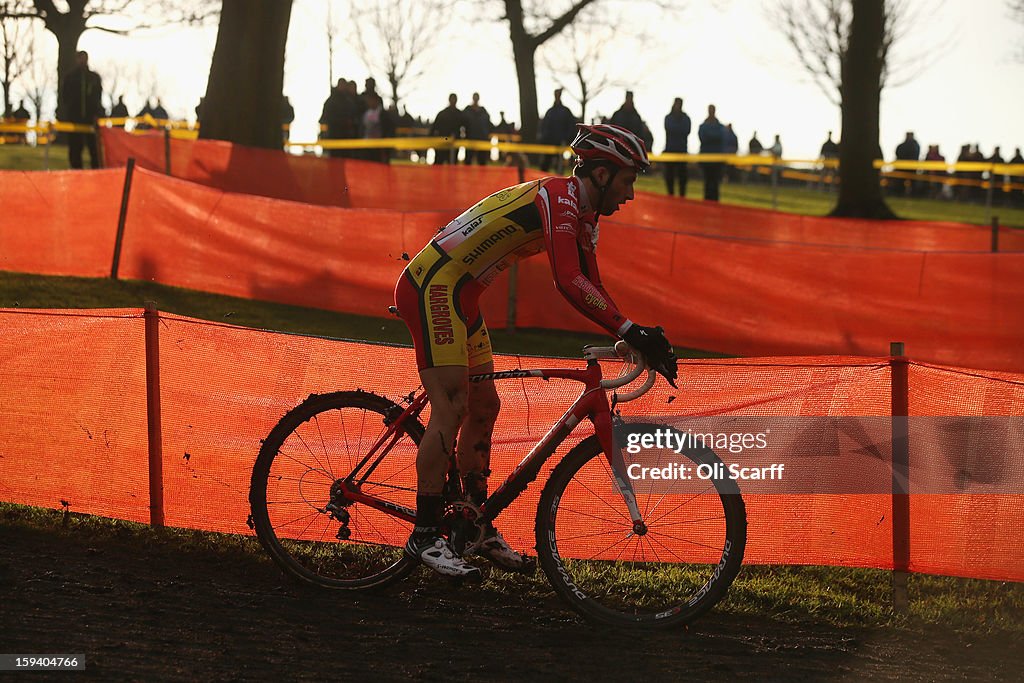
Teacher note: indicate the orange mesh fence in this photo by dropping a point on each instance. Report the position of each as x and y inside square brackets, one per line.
[756, 298]
[74, 430]
[309, 179]
[730, 295]
[713, 218]
[73, 411]
[59, 223]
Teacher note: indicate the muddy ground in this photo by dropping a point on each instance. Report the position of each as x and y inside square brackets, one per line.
[147, 607]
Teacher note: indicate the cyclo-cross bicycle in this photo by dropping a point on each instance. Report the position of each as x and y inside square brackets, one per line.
[333, 500]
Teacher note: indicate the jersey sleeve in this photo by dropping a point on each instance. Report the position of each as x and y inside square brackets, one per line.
[572, 267]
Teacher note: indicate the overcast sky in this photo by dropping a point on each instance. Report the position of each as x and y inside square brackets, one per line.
[726, 53]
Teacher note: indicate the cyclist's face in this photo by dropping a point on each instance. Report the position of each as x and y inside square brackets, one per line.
[619, 191]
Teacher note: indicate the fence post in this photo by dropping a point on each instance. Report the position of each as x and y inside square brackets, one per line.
[125, 193]
[156, 475]
[995, 234]
[167, 151]
[900, 476]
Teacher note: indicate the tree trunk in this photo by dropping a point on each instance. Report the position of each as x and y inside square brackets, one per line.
[243, 95]
[527, 76]
[860, 194]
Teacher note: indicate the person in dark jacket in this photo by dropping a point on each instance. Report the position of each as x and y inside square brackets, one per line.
[732, 146]
[558, 127]
[449, 123]
[81, 103]
[340, 115]
[478, 127]
[908, 150]
[287, 116]
[677, 130]
[712, 141]
[119, 111]
[629, 118]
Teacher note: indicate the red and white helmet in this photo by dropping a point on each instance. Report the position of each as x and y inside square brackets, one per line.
[605, 142]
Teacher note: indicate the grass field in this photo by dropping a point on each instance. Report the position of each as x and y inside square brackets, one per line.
[791, 199]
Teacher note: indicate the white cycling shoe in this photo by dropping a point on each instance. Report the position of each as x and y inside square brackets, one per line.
[495, 549]
[438, 555]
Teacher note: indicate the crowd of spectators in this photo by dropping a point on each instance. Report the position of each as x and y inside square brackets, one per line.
[350, 114]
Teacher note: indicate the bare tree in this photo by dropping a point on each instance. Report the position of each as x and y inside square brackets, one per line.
[37, 82]
[396, 38]
[841, 43]
[1016, 8]
[15, 48]
[576, 62]
[531, 26]
[86, 15]
[243, 95]
[819, 33]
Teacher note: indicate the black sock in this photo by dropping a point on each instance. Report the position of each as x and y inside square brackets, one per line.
[428, 516]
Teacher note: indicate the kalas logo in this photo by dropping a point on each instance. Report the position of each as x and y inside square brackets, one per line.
[568, 202]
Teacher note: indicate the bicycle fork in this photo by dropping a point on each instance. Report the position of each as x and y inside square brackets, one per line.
[603, 426]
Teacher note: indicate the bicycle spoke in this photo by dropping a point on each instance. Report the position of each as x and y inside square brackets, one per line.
[563, 508]
[330, 467]
[600, 498]
[686, 540]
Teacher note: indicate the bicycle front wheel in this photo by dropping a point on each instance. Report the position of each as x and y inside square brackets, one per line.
[296, 475]
[674, 568]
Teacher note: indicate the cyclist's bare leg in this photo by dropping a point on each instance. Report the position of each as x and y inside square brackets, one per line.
[474, 458]
[446, 388]
[474, 446]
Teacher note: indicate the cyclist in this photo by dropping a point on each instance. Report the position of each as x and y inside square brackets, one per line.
[437, 297]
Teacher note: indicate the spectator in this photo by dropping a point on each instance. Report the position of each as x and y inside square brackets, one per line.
[370, 92]
[732, 146]
[19, 116]
[160, 114]
[629, 118]
[939, 186]
[712, 141]
[80, 103]
[829, 153]
[141, 123]
[504, 127]
[287, 116]
[478, 127]
[908, 150]
[829, 149]
[558, 127]
[754, 149]
[677, 130]
[377, 124]
[997, 180]
[119, 111]
[975, 155]
[199, 110]
[1017, 195]
[339, 116]
[449, 123]
[776, 148]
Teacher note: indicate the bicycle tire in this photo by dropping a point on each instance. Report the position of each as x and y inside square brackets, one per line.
[606, 588]
[327, 561]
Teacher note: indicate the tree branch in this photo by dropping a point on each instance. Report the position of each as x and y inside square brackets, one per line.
[560, 23]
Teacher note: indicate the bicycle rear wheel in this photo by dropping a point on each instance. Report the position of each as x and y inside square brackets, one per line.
[670, 572]
[311, 449]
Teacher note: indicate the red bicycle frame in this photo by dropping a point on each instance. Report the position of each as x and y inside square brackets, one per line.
[592, 404]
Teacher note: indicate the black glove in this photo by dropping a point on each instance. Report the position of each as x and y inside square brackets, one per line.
[652, 343]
